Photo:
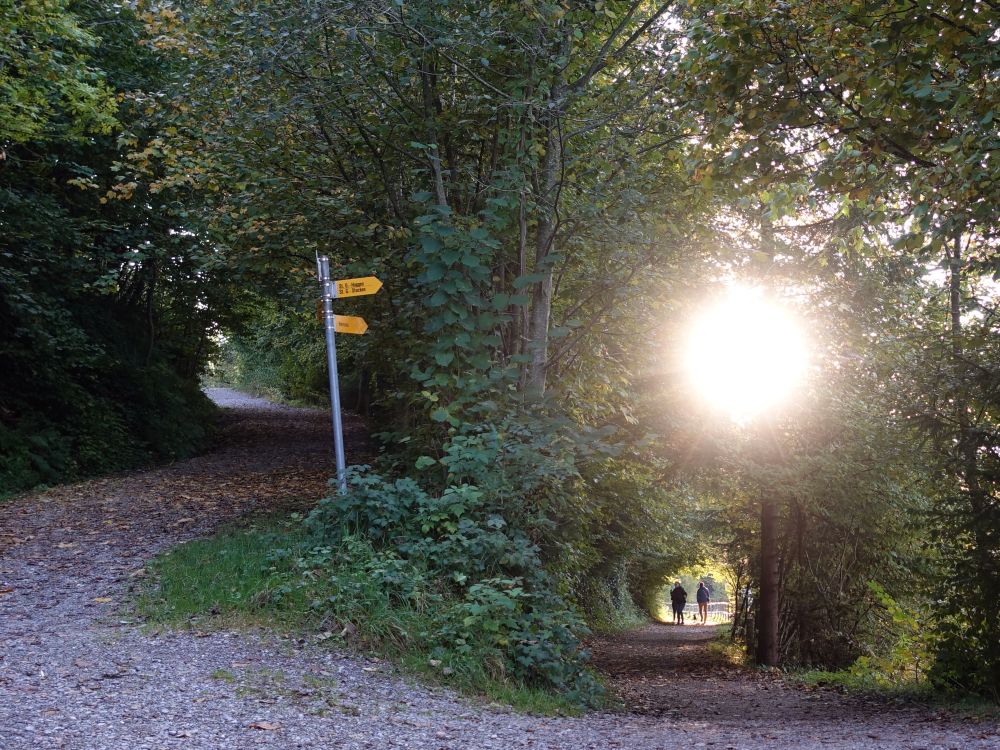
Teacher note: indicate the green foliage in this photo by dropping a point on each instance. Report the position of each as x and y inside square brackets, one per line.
[104, 303]
[472, 536]
[608, 600]
[514, 176]
[545, 191]
[50, 84]
[911, 653]
[819, 83]
[278, 573]
[951, 397]
[277, 352]
[853, 172]
[69, 430]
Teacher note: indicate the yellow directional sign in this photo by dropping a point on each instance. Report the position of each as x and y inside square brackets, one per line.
[349, 324]
[357, 287]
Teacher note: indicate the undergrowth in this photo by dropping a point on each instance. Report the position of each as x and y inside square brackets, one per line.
[127, 419]
[856, 681]
[276, 574]
[724, 650]
[903, 670]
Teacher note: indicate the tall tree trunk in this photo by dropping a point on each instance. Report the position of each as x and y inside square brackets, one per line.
[541, 298]
[767, 607]
[428, 80]
[983, 583]
[520, 312]
[968, 441]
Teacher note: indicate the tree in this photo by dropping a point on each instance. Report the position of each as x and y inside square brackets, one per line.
[881, 117]
[100, 298]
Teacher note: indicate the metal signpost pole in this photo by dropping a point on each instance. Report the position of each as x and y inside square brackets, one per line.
[329, 292]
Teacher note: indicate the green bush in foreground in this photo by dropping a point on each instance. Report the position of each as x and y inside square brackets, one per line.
[278, 575]
[501, 607]
[445, 571]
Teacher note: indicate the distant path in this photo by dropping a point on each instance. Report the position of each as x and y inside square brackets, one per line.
[668, 671]
[75, 674]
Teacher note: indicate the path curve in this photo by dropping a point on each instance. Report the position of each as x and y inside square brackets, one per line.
[76, 675]
[670, 672]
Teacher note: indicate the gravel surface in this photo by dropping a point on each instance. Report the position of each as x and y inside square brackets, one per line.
[74, 674]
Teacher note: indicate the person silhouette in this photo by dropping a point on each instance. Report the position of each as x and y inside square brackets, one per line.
[704, 596]
[678, 598]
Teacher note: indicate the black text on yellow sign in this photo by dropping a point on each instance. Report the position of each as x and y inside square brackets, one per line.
[357, 287]
[349, 324]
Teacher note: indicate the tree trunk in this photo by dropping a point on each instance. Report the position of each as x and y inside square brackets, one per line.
[767, 607]
[968, 440]
[541, 298]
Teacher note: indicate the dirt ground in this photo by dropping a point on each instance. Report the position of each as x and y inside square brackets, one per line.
[669, 671]
[77, 672]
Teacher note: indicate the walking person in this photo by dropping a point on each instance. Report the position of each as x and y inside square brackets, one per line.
[704, 597]
[678, 598]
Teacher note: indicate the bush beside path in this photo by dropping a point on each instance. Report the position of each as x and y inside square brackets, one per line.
[77, 673]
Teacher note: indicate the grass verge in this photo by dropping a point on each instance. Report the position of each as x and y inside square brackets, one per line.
[271, 574]
[870, 685]
[724, 651]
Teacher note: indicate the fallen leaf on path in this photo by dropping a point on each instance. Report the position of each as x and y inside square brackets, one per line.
[102, 599]
[265, 725]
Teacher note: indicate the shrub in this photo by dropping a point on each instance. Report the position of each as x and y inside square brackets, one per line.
[473, 541]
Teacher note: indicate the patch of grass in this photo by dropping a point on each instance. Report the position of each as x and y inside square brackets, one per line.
[222, 580]
[318, 681]
[723, 650]
[479, 680]
[273, 575]
[871, 685]
[531, 700]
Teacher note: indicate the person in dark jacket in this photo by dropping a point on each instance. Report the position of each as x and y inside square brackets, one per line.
[678, 598]
[704, 597]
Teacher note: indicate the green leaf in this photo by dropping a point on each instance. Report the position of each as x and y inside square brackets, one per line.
[430, 244]
[528, 279]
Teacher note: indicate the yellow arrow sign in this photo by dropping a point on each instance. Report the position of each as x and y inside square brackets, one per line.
[349, 324]
[357, 287]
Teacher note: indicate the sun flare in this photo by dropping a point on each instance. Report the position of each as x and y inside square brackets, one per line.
[745, 355]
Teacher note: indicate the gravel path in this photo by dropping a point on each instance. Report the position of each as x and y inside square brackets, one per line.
[74, 675]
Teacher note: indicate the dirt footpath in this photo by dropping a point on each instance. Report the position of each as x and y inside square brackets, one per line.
[669, 672]
[77, 674]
